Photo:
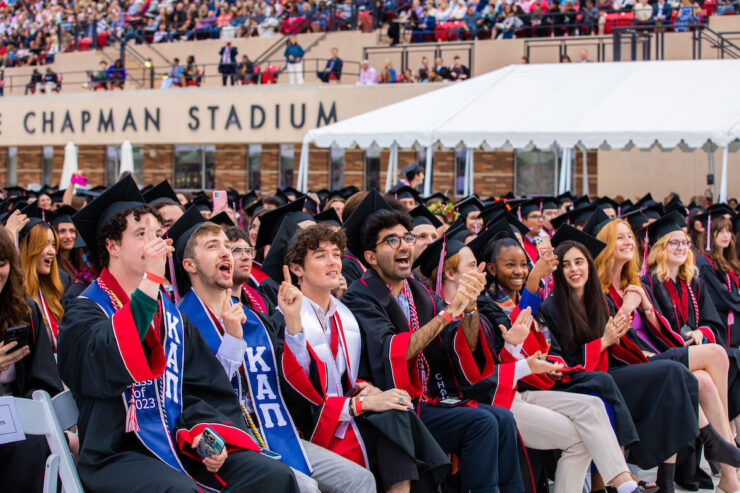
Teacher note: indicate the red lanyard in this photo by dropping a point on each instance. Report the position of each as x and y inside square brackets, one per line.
[680, 303]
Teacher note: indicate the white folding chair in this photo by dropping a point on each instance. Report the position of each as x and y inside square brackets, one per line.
[49, 417]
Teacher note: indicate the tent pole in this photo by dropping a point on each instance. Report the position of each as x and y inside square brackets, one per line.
[723, 186]
[302, 184]
[470, 175]
[584, 188]
[712, 170]
[392, 167]
[428, 171]
[561, 178]
[569, 170]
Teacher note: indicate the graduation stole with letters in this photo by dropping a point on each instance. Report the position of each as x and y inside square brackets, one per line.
[153, 407]
[259, 365]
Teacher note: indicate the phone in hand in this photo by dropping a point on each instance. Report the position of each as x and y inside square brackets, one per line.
[542, 243]
[19, 334]
[79, 180]
[220, 200]
[210, 443]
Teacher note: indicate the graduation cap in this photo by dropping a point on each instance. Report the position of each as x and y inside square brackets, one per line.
[678, 207]
[462, 235]
[287, 191]
[515, 224]
[736, 223]
[162, 191]
[636, 219]
[252, 208]
[485, 237]
[422, 215]
[658, 229]
[646, 201]
[36, 215]
[16, 206]
[596, 222]
[270, 221]
[64, 214]
[468, 205]
[493, 212]
[549, 202]
[329, 216]
[349, 191]
[324, 193]
[411, 169]
[436, 197]
[581, 215]
[581, 202]
[57, 197]
[568, 232]
[435, 255]
[606, 203]
[280, 195]
[311, 206]
[509, 195]
[529, 206]
[180, 232]
[566, 197]
[202, 202]
[273, 264]
[248, 198]
[355, 224]
[91, 218]
[15, 191]
[404, 192]
[715, 211]
[222, 219]
[558, 221]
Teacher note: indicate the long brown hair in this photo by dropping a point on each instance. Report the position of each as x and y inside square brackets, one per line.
[605, 260]
[698, 238]
[584, 320]
[724, 259]
[76, 256]
[51, 287]
[13, 305]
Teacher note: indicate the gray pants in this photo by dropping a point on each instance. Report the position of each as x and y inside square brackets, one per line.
[332, 473]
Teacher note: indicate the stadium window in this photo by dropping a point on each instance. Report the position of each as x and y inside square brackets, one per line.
[254, 160]
[287, 160]
[47, 165]
[460, 172]
[113, 164]
[372, 168]
[12, 176]
[336, 168]
[534, 172]
[194, 167]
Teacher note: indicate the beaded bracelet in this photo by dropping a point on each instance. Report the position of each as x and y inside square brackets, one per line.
[471, 312]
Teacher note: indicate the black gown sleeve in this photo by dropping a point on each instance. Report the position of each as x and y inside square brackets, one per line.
[38, 370]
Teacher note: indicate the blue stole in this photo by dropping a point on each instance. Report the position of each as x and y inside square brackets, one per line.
[275, 423]
[158, 402]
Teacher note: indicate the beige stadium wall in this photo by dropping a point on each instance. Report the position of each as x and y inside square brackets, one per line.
[634, 173]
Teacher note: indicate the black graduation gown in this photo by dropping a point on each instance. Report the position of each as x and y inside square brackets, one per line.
[23, 462]
[709, 323]
[352, 268]
[93, 366]
[662, 396]
[268, 289]
[725, 294]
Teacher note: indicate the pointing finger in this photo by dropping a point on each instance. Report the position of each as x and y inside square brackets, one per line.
[286, 274]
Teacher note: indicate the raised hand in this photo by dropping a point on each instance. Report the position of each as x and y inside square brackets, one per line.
[471, 286]
[9, 357]
[233, 316]
[546, 264]
[540, 366]
[341, 289]
[290, 301]
[519, 329]
[156, 249]
[15, 223]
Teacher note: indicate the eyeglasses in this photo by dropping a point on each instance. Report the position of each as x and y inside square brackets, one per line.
[676, 244]
[395, 241]
[243, 252]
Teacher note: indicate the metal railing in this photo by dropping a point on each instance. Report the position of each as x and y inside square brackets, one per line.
[437, 50]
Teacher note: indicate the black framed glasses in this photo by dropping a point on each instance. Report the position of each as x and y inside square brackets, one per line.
[395, 241]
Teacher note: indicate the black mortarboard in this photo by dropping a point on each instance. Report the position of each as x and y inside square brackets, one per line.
[253, 207]
[145, 189]
[516, 224]
[430, 257]
[636, 219]
[36, 215]
[422, 215]
[349, 191]
[323, 194]
[329, 216]
[558, 221]
[462, 235]
[222, 219]
[273, 264]
[598, 220]
[606, 203]
[581, 215]
[509, 195]
[355, 224]
[549, 202]
[566, 197]
[247, 199]
[335, 194]
[404, 192]
[162, 191]
[678, 207]
[15, 191]
[645, 201]
[16, 206]
[311, 206]
[658, 229]
[411, 168]
[715, 211]
[652, 211]
[291, 191]
[468, 205]
[270, 221]
[91, 218]
[57, 197]
[493, 212]
[180, 233]
[581, 202]
[437, 196]
[64, 214]
[568, 232]
[529, 206]
[280, 195]
[736, 223]
[480, 243]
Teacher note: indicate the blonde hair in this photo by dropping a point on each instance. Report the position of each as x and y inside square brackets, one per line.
[658, 262]
[50, 285]
[450, 265]
[605, 260]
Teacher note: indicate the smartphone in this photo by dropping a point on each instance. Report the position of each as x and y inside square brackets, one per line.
[220, 200]
[352, 392]
[79, 180]
[452, 402]
[20, 334]
[542, 243]
[271, 454]
[210, 443]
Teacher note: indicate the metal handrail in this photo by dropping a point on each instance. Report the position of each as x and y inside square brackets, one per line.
[438, 48]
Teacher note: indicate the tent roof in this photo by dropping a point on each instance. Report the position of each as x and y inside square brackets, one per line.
[595, 104]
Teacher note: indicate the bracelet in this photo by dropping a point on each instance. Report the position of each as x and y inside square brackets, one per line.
[153, 277]
[649, 311]
[471, 312]
[352, 411]
[446, 316]
[358, 405]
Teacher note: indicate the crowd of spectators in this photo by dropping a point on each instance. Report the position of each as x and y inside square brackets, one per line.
[426, 73]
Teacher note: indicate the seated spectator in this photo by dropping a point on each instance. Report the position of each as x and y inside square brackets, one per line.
[537, 21]
[570, 18]
[726, 7]
[472, 24]
[321, 17]
[459, 11]
[506, 28]
[584, 56]
[408, 77]
[687, 16]
[554, 18]
[459, 71]
[440, 69]
[191, 72]
[423, 27]
[643, 13]
[444, 12]
[174, 75]
[590, 18]
[388, 76]
[662, 13]
[333, 67]
[423, 70]
[434, 76]
[116, 74]
[51, 81]
[35, 82]
[623, 5]
[246, 71]
[565, 59]
[368, 75]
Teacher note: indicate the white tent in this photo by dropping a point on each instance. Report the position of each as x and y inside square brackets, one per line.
[585, 105]
[70, 165]
[127, 158]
